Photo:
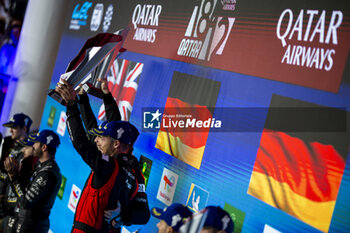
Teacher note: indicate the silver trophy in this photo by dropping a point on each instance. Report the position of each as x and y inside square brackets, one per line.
[93, 61]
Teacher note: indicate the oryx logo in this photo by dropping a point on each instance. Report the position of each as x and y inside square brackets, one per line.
[151, 120]
[120, 132]
[175, 220]
[49, 139]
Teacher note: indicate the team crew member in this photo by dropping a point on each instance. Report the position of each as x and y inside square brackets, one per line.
[138, 209]
[108, 183]
[26, 170]
[36, 200]
[171, 218]
[19, 126]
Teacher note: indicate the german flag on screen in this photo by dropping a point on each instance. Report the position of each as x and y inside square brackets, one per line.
[299, 172]
[194, 98]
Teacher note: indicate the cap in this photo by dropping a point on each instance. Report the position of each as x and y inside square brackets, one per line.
[48, 137]
[119, 130]
[19, 119]
[27, 142]
[218, 218]
[134, 133]
[174, 215]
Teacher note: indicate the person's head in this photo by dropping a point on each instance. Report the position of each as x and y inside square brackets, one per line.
[15, 30]
[112, 137]
[45, 143]
[171, 218]
[217, 221]
[19, 126]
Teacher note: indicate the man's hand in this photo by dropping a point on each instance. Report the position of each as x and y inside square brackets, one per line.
[104, 85]
[66, 91]
[11, 166]
[112, 214]
[117, 222]
[81, 90]
[27, 151]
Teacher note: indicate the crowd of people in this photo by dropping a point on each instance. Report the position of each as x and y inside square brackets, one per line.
[114, 193]
[11, 18]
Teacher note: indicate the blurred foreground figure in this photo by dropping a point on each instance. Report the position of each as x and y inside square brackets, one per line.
[36, 200]
[212, 219]
[171, 218]
[11, 146]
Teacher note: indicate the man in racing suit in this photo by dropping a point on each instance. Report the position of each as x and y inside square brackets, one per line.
[108, 178]
[36, 200]
[138, 210]
[19, 126]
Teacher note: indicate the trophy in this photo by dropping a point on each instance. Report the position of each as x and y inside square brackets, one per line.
[93, 61]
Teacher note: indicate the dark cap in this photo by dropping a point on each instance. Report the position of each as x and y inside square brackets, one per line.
[19, 119]
[219, 219]
[119, 130]
[28, 142]
[48, 137]
[174, 215]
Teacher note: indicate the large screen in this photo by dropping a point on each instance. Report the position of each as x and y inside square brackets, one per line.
[262, 91]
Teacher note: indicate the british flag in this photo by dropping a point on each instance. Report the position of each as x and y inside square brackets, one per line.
[123, 81]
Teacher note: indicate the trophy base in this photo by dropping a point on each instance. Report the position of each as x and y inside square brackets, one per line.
[54, 95]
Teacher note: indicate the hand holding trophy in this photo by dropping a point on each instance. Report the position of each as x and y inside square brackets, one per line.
[92, 64]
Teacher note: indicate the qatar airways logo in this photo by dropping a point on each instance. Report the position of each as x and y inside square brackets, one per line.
[309, 27]
[206, 34]
[145, 19]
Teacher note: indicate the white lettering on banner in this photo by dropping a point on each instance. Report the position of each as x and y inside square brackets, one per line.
[228, 5]
[191, 123]
[311, 57]
[206, 33]
[163, 195]
[146, 15]
[80, 16]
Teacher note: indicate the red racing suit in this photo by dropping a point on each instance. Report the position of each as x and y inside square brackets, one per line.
[108, 183]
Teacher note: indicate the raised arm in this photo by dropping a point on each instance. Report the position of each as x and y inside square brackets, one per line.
[86, 148]
[87, 114]
[111, 107]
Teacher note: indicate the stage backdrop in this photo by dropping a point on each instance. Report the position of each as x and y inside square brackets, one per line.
[242, 104]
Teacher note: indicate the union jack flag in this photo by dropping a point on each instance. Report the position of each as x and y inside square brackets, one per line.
[123, 81]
